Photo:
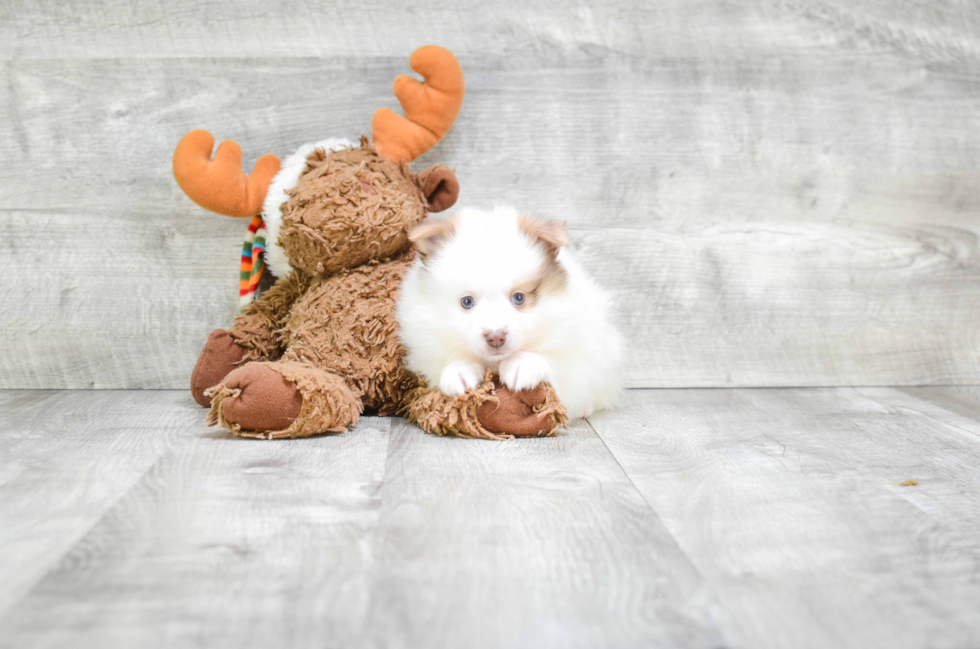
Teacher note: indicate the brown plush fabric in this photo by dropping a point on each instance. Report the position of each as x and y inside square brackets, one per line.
[346, 324]
[253, 337]
[528, 413]
[488, 412]
[327, 334]
[255, 398]
[221, 354]
[283, 400]
[330, 222]
[258, 329]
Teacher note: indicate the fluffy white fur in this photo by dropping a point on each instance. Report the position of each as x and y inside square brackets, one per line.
[566, 337]
[289, 173]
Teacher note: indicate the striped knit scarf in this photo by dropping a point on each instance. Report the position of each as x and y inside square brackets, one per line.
[253, 262]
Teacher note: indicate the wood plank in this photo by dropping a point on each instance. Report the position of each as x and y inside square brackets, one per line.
[797, 220]
[66, 458]
[101, 29]
[133, 311]
[942, 31]
[533, 543]
[787, 502]
[784, 304]
[612, 141]
[223, 543]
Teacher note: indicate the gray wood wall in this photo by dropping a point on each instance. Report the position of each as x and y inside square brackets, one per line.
[782, 193]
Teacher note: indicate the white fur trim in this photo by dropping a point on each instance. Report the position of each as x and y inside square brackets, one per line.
[292, 168]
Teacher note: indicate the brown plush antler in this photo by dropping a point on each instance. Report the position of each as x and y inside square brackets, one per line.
[430, 107]
[220, 185]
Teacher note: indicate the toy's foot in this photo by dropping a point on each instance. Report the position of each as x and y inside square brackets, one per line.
[521, 414]
[490, 411]
[282, 399]
[256, 397]
[221, 355]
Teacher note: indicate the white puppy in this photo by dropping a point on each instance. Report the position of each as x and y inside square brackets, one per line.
[497, 290]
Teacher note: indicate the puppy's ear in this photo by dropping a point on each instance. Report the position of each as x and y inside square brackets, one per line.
[550, 234]
[440, 187]
[429, 236]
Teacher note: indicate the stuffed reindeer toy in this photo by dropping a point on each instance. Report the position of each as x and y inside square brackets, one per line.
[310, 353]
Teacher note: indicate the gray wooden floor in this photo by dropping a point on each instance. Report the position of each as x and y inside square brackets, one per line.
[689, 518]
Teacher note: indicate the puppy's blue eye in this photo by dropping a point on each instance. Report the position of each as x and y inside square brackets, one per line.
[517, 299]
[467, 302]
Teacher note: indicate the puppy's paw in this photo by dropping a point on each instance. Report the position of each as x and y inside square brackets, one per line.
[524, 370]
[458, 377]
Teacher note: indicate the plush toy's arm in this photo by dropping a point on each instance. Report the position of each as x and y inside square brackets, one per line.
[256, 330]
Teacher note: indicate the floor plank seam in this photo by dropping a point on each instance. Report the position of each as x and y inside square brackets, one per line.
[644, 499]
[376, 556]
[970, 433]
[56, 563]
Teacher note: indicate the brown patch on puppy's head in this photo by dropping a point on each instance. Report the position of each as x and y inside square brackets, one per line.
[430, 236]
[551, 234]
[550, 278]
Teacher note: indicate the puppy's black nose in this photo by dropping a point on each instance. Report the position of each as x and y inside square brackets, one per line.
[496, 338]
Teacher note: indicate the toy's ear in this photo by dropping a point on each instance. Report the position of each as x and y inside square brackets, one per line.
[440, 187]
[429, 236]
[551, 234]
